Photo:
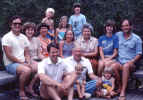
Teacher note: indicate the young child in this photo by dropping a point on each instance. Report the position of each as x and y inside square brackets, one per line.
[81, 81]
[108, 84]
[49, 14]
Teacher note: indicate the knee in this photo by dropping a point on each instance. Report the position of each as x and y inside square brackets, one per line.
[84, 82]
[27, 70]
[101, 64]
[126, 67]
[77, 82]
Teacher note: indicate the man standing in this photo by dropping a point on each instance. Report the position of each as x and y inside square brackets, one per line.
[77, 20]
[54, 75]
[15, 57]
[129, 52]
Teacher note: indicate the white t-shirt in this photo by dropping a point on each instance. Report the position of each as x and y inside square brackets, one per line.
[54, 71]
[71, 63]
[17, 44]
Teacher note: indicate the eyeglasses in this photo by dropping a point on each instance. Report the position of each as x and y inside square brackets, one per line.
[17, 24]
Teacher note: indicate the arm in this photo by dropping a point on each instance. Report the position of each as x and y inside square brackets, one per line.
[101, 53]
[47, 80]
[27, 55]
[92, 76]
[113, 84]
[8, 52]
[61, 48]
[115, 53]
[69, 79]
[91, 54]
[52, 35]
[133, 61]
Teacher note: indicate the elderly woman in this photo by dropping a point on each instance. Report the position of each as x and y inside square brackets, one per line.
[88, 45]
[108, 46]
[44, 41]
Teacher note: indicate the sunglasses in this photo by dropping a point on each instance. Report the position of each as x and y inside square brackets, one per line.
[17, 24]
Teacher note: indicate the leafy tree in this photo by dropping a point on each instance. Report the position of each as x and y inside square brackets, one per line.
[96, 11]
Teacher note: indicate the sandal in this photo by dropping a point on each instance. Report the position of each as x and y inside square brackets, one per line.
[122, 98]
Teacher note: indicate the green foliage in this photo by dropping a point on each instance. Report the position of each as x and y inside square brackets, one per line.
[96, 11]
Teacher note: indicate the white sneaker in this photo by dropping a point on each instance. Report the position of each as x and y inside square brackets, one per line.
[87, 95]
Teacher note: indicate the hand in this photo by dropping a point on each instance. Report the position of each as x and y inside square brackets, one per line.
[107, 59]
[131, 63]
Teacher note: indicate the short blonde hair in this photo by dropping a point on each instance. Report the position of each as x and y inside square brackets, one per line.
[108, 70]
[50, 10]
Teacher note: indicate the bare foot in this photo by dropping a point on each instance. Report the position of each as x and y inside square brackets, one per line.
[31, 92]
[23, 96]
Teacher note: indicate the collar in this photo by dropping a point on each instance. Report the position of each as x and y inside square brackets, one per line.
[11, 32]
[72, 58]
[82, 39]
[50, 62]
[130, 37]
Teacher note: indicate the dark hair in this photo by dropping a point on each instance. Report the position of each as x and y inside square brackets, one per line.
[13, 18]
[110, 22]
[66, 34]
[76, 5]
[87, 25]
[28, 25]
[39, 27]
[52, 44]
[42, 25]
[129, 20]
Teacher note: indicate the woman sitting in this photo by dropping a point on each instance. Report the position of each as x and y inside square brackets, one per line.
[67, 44]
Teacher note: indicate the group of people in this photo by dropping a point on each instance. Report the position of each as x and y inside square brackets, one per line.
[61, 58]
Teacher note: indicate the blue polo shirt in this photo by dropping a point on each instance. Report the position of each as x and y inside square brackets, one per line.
[128, 48]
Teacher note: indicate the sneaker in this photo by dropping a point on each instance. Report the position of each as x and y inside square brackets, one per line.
[87, 95]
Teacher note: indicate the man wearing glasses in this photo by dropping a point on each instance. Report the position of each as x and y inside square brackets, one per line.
[15, 57]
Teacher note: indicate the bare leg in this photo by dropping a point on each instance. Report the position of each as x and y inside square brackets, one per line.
[94, 63]
[70, 94]
[100, 67]
[24, 74]
[30, 87]
[79, 89]
[34, 66]
[46, 92]
[125, 75]
[116, 68]
[83, 88]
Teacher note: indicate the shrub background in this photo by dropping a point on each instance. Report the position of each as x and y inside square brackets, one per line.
[96, 11]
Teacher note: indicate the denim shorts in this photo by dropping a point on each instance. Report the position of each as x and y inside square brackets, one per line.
[11, 68]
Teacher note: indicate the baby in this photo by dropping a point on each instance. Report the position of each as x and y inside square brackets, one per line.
[108, 84]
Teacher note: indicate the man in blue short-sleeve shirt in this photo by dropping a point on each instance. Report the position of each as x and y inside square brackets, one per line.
[129, 52]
